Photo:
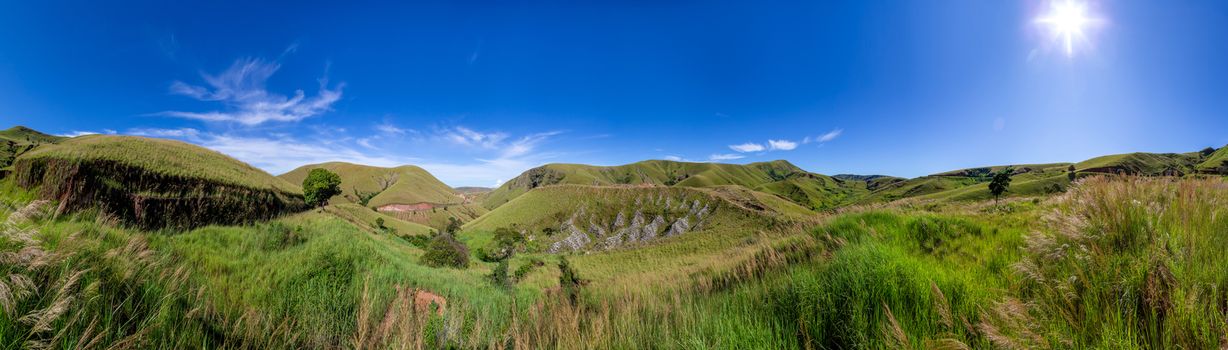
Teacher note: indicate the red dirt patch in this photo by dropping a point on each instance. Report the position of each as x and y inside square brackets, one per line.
[423, 301]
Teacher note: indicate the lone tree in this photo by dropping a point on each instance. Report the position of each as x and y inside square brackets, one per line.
[1070, 173]
[1001, 183]
[319, 186]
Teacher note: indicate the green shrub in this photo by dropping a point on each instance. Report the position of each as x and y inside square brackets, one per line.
[527, 268]
[569, 281]
[319, 186]
[445, 251]
[499, 276]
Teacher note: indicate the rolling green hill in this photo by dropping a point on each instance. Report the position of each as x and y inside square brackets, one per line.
[24, 135]
[1216, 162]
[1145, 164]
[154, 182]
[406, 184]
[776, 177]
[18, 140]
[972, 183]
[584, 218]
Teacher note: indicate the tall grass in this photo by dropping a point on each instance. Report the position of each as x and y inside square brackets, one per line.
[1113, 263]
[1124, 263]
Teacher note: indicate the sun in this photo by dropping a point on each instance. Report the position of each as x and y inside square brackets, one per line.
[1067, 20]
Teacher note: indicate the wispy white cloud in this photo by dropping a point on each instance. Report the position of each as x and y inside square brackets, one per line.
[390, 129]
[76, 133]
[673, 158]
[511, 159]
[747, 147]
[781, 145]
[722, 157]
[831, 135]
[241, 90]
[468, 137]
[172, 133]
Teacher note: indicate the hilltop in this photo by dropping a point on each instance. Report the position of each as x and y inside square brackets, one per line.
[779, 177]
[23, 135]
[153, 182]
[406, 184]
[406, 192]
[17, 140]
[1216, 162]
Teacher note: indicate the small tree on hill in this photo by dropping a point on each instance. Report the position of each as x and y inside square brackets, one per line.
[453, 227]
[319, 186]
[1070, 173]
[1000, 183]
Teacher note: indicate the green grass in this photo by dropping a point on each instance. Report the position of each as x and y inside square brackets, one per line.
[308, 280]
[162, 156]
[154, 183]
[437, 217]
[23, 135]
[1112, 263]
[1145, 164]
[366, 218]
[1216, 162]
[776, 177]
[409, 184]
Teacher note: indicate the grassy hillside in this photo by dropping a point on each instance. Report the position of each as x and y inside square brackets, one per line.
[366, 218]
[437, 217]
[24, 135]
[972, 183]
[1148, 164]
[311, 280]
[407, 184]
[1216, 162]
[154, 182]
[19, 140]
[1114, 263]
[777, 177]
[565, 218]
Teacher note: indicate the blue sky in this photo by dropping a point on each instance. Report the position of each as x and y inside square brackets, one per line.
[477, 92]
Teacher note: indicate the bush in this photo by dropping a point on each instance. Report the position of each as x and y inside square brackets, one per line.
[502, 247]
[569, 281]
[420, 241]
[446, 251]
[319, 186]
[499, 276]
[527, 268]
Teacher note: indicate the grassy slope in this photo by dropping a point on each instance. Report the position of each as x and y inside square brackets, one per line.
[24, 135]
[366, 218]
[413, 184]
[776, 177]
[162, 156]
[547, 206]
[1150, 164]
[437, 218]
[940, 277]
[24, 139]
[1217, 162]
[972, 183]
[299, 281]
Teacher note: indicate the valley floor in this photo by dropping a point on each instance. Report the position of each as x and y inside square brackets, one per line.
[1126, 263]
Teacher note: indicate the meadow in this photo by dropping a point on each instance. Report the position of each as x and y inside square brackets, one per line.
[1112, 263]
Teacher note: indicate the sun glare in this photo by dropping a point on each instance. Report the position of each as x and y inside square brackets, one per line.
[1067, 20]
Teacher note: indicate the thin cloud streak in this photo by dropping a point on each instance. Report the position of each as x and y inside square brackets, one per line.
[241, 90]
